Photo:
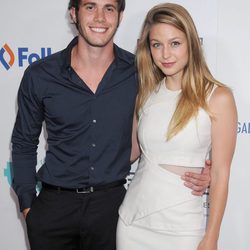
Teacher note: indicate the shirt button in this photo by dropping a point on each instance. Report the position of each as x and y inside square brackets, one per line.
[93, 145]
[92, 168]
[94, 121]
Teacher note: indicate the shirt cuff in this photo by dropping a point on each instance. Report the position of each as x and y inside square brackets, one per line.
[26, 200]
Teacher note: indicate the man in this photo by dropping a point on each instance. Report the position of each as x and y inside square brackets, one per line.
[86, 96]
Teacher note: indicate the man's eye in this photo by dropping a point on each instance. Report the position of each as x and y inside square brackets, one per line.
[89, 7]
[110, 9]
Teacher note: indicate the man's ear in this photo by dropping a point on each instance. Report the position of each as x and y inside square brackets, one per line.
[120, 17]
[72, 12]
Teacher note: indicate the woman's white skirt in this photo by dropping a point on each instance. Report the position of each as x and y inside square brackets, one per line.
[159, 213]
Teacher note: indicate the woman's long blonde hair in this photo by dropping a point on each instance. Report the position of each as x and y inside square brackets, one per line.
[197, 81]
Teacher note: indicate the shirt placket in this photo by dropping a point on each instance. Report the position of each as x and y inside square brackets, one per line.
[93, 140]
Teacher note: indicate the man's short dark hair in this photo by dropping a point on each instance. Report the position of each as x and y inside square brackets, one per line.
[75, 4]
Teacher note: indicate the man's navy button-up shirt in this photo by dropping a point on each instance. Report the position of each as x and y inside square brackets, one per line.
[89, 134]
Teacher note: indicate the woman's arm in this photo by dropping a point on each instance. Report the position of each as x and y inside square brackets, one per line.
[135, 151]
[224, 131]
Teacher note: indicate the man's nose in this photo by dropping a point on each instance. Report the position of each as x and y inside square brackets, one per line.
[99, 15]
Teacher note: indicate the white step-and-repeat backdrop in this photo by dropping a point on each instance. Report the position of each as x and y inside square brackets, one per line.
[32, 29]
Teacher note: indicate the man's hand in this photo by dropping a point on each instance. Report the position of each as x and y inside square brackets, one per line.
[198, 182]
[25, 212]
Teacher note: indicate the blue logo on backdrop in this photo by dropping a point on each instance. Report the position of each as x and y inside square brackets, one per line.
[23, 55]
[243, 128]
[8, 173]
[6, 52]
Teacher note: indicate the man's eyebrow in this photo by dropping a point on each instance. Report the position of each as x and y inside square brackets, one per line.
[111, 5]
[88, 3]
[106, 5]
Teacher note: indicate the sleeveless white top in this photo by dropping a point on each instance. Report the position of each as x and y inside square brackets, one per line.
[189, 148]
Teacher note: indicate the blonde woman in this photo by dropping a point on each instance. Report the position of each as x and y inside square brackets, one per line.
[184, 114]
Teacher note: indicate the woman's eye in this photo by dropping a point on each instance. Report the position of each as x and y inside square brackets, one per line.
[155, 45]
[175, 44]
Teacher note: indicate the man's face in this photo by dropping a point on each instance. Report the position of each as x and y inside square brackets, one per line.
[97, 21]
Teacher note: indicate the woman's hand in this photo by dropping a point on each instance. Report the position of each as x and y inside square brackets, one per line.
[207, 244]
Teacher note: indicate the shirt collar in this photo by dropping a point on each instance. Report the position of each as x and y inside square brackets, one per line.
[120, 55]
[67, 53]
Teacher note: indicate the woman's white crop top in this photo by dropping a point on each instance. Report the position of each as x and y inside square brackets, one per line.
[189, 148]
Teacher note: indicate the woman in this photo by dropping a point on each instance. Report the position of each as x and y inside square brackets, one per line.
[184, 114]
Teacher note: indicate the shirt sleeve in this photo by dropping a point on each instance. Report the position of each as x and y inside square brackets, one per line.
[25, 139]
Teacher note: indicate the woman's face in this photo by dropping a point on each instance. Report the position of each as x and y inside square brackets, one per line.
[169, 49]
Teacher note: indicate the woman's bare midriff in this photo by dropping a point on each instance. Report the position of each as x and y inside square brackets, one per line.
[180, 170]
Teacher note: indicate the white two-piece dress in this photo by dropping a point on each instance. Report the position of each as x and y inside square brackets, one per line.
[159, 212]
